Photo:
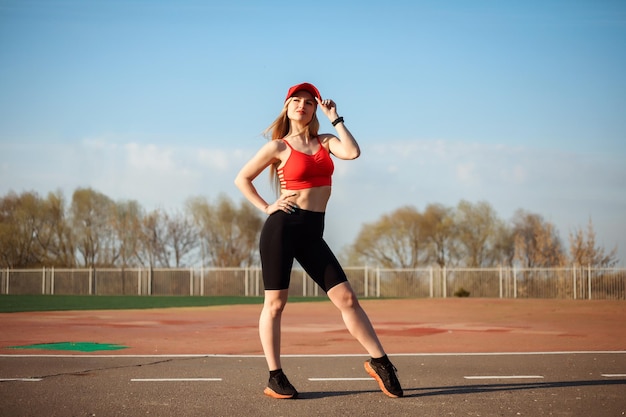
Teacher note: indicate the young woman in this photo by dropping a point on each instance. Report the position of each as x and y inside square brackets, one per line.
[301, 166]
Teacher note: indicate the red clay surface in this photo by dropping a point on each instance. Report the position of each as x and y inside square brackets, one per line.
[404, 326]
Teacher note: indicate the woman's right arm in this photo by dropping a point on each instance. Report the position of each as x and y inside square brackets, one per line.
[266, 156]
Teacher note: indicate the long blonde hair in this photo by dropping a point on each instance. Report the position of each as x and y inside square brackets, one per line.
[279, 129]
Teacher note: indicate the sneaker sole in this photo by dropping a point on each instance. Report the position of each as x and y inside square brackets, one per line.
[271, 393]
[374, 375]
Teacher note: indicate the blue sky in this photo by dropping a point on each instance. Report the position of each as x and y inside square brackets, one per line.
[520, 104]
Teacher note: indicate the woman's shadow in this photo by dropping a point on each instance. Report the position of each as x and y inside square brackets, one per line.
[468, 389]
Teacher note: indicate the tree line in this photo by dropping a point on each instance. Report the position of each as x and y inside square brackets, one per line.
[472, 235]
[92, 230]
[95, 231]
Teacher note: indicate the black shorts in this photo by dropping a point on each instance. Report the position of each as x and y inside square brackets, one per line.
[286, 237]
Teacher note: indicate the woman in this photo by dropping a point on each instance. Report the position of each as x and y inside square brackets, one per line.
[300, 164]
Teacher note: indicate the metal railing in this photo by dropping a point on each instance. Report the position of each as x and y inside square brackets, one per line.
[432, 282]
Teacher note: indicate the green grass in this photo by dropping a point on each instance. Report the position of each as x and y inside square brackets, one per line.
[20, 303]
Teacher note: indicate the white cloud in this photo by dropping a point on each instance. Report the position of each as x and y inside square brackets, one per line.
[466, 173]
[100, 143]
[517, 175]
[215, 158]
[149, 158]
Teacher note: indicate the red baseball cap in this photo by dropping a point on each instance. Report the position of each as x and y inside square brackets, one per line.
[306, 87]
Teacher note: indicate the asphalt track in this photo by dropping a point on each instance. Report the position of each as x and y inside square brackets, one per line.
[498, 384]
[455, 357]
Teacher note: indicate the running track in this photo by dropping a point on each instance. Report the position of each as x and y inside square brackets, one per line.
[467, 357]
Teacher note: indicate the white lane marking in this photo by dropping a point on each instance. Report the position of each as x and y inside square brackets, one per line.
[21, 379]
[614, 375]
[504, 377]
[340, 379]
[213, 355]
[176, 379]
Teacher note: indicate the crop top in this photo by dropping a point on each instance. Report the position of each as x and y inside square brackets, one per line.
[303, 171]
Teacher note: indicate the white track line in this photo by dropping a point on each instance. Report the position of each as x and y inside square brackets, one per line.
[340, 379]
[504, 377]
[212, 355]
[614, 375]
[176, 380]
[20, 379]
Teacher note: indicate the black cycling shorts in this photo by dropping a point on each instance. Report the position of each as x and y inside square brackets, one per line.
[298, 235]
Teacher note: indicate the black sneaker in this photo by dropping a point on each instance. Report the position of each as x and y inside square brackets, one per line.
[280, 387]
[386, 377]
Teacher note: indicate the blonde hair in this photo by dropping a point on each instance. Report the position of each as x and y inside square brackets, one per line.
[279, 129]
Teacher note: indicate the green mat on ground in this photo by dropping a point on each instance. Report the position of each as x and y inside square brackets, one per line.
[74, 346]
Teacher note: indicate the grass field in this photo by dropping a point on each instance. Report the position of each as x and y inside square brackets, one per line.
[19, 303]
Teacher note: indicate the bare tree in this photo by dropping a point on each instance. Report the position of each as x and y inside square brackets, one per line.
[182, 237]
[247, 231]
[471, 234]
[20, 224]
[503, 244]
[476, 232]
[229, 234]
[127, 220]
[34, 231]
[395, 241]
[153, 238]
[585, 252]
[57, 240]
[440, 230]
[537, 243]
[92, 224]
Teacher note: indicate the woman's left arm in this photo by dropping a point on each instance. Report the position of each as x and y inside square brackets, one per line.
[343, 146]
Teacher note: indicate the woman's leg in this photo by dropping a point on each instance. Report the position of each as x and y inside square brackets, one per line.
[269, 326]
[359, 325]
[355, 318]
[278, 385]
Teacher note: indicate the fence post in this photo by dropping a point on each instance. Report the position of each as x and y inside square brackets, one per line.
[444, 283]
[514, 282]
[202, 279]
[365, 284]
[532, 280]
[257, 282]
[190, 281]
[430, 283]
[589, 279]
[378, 282]
[150, 280]
[500, 281]
[574, 279]
[246, 274]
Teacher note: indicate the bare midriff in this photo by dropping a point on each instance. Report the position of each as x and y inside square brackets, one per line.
[312, 199]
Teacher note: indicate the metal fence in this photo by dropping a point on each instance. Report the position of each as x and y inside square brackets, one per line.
[564, 283]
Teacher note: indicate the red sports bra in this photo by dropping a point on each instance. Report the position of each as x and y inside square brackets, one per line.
[303, 171]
